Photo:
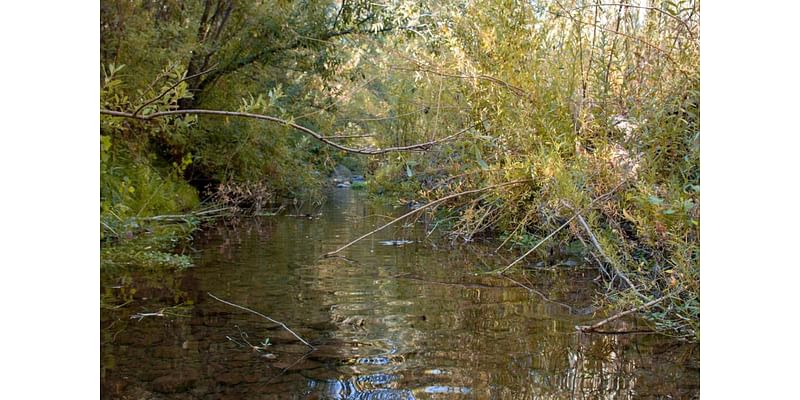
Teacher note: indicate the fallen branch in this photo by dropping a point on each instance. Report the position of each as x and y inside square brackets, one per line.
[613, 265]
[315, 135]
[160, 313]
[303, 357]
[592, 328]
[263, 316]
[561, 227]
[184, 216]
[511, 235]
[141, 316]
[540, 294]
[426, 206]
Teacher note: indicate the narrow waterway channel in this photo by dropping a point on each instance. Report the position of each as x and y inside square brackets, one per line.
[388, 322]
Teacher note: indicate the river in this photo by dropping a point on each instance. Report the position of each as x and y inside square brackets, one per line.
[415, 321]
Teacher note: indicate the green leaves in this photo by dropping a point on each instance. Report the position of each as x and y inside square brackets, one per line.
[655, 200]
[105, 146]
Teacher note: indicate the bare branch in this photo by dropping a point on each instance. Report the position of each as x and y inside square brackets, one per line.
[262, 316]
[615, 317]
[682, 22]
[315, 135]
[540, 294]
[426, 206]
[596, 244]
[576, 215]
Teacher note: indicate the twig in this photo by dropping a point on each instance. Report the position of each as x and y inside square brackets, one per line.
[303, 357]
[315, 135]
[426, 206]
[636, 38]
[140, 316]
[110, 228]
[183, 216]
[615, 317]
[263, 316]
[596, 244]
[561, 227]
[682, 22]
[115, 307]
[337, 101]
[164, 93]
[524, 220]
[542, 295]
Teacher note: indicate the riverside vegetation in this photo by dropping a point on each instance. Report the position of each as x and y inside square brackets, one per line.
[593, 107]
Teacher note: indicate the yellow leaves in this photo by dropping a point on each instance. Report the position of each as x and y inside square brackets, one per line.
[628, 216]
[488, 39]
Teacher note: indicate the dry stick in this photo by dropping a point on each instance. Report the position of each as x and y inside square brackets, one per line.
[596, 244]
[303, 357]
[426, 206]
[184, 216]
[545, 298]
[315, 135]
[263, 316]
[615, 317]
[537, 245]
[524, 220]
[560, 227]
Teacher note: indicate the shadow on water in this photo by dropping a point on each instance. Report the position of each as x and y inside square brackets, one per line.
[410, 321]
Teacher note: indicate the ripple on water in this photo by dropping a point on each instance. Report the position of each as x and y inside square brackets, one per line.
[392, 322]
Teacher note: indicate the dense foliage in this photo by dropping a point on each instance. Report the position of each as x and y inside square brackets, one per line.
[596, 103]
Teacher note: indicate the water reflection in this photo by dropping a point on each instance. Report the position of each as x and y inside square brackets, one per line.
[373, 387]
[388, 322]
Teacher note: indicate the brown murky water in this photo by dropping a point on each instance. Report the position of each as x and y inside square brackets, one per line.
[397, 322]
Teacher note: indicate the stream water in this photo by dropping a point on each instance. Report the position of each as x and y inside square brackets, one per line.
[411, 321]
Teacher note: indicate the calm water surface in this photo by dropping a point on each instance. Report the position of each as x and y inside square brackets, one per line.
[417, 321]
